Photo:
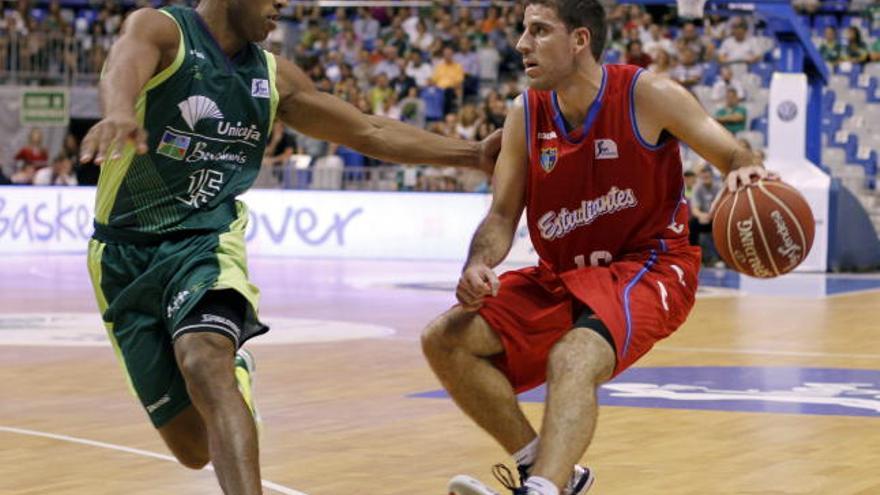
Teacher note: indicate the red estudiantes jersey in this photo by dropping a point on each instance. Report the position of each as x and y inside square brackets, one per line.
[600, 192]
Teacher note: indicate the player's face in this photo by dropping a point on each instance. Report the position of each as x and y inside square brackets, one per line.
[548, 48]
[255, 19]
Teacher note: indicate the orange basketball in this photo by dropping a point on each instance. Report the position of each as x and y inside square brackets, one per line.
[764, 230]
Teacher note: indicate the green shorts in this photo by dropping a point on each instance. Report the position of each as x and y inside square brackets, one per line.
[143, 293]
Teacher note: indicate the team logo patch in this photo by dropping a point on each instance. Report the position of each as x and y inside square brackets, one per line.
[548, 158]
[260, 88]
[606, 149]
[196, 108]
[173, 145]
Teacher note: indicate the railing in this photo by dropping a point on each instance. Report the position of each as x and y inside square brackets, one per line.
[52, 58]
[331, 176]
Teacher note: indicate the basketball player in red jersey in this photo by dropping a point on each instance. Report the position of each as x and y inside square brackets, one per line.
[591, 152]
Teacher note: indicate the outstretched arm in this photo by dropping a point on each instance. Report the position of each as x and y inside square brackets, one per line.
[664, 105]
[494, 236]
[329, 118]
[147, 45]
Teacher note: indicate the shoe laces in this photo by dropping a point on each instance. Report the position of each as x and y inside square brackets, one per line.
[505, 476]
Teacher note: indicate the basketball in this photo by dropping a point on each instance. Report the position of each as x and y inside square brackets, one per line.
[764, 230]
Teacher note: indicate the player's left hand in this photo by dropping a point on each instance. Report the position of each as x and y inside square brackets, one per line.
[742, 177]
[489, 149]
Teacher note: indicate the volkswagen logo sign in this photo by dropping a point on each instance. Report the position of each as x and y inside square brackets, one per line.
[787, 110]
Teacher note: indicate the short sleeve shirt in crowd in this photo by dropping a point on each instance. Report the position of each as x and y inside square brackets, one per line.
[682, 72]
[32, 156]
[739, 51]
[733, 127]
[448, 75]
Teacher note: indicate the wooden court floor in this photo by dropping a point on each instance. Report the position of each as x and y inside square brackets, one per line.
[339, 414]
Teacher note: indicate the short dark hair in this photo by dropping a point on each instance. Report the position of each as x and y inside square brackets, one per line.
[582, 13]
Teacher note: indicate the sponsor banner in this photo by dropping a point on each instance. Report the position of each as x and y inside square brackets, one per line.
[786, 154]
[392, 225]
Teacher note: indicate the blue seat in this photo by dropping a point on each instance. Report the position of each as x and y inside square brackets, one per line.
[853, 71]
[828, 127]
[851, 147]
[847, 20]
[838, 118]
[828, 99]
[874, 92]
[869, 163]
[759, 124]
[765, 71]
[870, 88]
[804, 20]
[834, 6]
[823, 21]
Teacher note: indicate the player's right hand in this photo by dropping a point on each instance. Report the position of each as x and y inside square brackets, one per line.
[110, 136]
[745, 176]
[476, 283]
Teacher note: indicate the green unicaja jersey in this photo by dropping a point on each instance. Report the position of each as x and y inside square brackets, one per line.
[208, 118]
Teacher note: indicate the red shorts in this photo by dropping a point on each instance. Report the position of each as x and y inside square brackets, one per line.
[641, 299]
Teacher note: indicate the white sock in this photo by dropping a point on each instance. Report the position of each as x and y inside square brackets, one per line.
[542, 485]
[526, 455]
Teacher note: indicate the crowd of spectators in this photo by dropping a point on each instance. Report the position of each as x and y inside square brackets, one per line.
[47, 45]
[850, 48]
[33, 167]
[452, 70]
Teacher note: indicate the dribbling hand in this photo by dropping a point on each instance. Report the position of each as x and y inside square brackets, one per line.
[744, 176]
[476, 283]
[739, 179]
[111, 135]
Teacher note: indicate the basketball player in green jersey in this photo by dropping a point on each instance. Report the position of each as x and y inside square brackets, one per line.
[189, 101]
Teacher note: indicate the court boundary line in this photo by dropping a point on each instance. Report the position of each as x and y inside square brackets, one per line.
[130, 450]
[853, 293]
[719, 350]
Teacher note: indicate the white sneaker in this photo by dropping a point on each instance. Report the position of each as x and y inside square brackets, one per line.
[580, 482]
[468, 485]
